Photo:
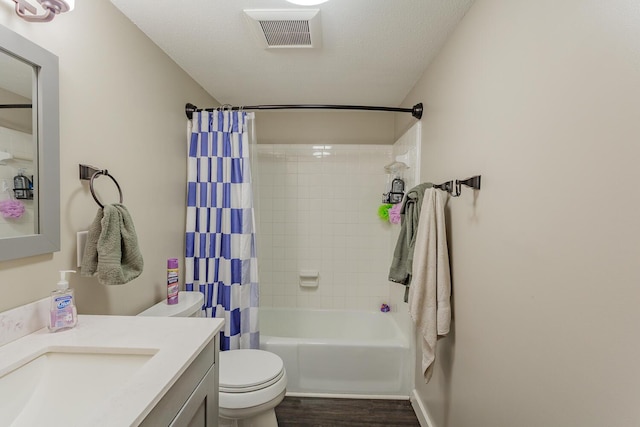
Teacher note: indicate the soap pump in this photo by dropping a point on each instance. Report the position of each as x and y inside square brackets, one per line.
[63, 314]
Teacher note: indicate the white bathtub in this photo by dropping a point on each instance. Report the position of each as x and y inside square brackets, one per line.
[339, 353]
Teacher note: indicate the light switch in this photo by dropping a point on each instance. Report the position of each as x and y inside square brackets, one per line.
[81, 242]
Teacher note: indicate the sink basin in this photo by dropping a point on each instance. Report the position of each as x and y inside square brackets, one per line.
[62, 385]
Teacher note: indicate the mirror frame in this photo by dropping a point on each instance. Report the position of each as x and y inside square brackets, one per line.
[47, 134]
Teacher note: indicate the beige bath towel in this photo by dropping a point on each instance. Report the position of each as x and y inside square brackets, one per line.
[112, 251]
[430, 290]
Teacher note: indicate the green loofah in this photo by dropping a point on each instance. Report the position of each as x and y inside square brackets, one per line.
[383, 211]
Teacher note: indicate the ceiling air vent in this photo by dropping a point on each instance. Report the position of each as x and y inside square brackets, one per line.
[286, 28]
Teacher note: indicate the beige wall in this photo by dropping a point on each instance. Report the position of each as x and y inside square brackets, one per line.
[121, 108]
[15, 118]
[324, 127]
[542, 99]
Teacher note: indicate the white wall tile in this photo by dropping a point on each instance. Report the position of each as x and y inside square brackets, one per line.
[321, 214]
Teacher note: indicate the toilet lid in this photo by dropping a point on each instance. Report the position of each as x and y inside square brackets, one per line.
[188, 304]
[248, 370]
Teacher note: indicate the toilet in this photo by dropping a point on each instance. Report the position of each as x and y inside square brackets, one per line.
[252, 382]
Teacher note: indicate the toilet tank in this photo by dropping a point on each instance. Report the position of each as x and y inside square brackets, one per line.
[189, 305]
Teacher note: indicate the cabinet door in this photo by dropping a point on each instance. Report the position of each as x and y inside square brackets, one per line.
[201, 409]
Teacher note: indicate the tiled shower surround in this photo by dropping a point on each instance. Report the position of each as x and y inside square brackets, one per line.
[317, 210]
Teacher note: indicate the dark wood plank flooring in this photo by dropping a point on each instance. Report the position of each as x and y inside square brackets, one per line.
[322, 412]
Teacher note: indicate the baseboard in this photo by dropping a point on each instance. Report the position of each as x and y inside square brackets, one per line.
[349, 396]
[421, 411]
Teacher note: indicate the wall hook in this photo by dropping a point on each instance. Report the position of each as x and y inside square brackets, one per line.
[455, 188]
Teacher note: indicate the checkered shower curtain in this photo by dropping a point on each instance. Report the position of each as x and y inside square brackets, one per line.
[220, 254]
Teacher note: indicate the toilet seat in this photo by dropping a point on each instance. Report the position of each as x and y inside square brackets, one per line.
[250, 378]
[255, 387]
[248, 370]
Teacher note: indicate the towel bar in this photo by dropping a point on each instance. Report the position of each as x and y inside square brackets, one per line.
[455, 189]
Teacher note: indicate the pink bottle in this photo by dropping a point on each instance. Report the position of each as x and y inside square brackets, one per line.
[172, 281]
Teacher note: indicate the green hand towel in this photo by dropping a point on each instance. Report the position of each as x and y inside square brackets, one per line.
[400, 271]
[112, 250]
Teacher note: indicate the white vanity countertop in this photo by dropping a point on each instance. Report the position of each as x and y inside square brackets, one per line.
[176, 341]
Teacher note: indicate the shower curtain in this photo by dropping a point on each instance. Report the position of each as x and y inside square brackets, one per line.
[220, 258]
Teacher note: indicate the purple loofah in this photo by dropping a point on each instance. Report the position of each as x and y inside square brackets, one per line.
[11, 208]
[394, 213]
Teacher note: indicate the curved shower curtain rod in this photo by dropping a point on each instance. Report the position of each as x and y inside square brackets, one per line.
[416, 110]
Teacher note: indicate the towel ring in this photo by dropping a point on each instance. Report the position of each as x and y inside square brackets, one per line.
[93, 193]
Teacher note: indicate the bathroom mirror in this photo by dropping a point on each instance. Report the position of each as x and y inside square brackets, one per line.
[29, 148]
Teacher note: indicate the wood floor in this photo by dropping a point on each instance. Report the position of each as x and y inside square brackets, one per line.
[321, 412]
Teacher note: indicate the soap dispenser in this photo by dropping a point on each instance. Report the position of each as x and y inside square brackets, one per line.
[63, 314]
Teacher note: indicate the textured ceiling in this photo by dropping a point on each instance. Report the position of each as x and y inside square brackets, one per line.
[373, 51]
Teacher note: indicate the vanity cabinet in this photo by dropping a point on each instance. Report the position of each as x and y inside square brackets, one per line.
[193, 400]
